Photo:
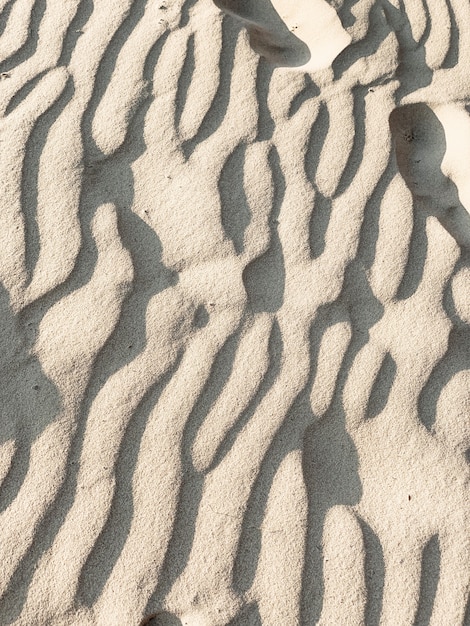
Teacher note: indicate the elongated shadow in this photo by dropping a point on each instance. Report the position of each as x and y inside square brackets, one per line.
[321, 212]
[309, 91]
[185, 12]
[275, 350]
[82, 15]
[29, 47]
[466, 619]
[316, 139]
[31, 164]
[374, 569]
[356, 155]
[452, 56]
[264, 277]
[417, 255]
[184, 80]
[266, 124]
[218, 109]
[456, 359]
[430, 571]
[248, 616]
[5, 14]
[381, 388]
[104, 74]
[235, 210]
[370, 224]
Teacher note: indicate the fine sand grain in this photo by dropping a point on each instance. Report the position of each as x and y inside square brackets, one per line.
[235, 304]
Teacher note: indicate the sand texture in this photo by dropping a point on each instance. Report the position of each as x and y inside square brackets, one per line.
[235, 312]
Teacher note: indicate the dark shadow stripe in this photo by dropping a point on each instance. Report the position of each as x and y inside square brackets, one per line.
[374, 568]
[30, 46]
[430, 572]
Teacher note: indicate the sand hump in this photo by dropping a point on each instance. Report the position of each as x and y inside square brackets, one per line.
[235, 313]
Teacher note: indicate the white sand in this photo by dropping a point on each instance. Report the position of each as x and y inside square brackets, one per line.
[235, 303]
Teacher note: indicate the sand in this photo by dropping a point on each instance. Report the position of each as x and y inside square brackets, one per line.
[235, 304]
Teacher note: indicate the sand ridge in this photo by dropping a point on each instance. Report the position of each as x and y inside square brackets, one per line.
[235, 304]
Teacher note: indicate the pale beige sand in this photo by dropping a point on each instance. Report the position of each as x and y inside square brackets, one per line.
[235, 311]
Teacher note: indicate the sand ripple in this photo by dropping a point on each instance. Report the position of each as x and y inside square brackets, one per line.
[235, 344]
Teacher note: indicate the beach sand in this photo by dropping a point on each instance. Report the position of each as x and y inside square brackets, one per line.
[235, 304]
